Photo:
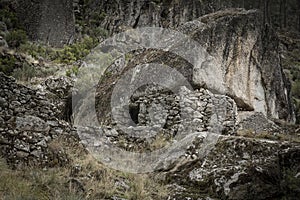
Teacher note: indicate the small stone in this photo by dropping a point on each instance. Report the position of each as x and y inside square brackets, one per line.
[42, 144]
[3, 102]
[36, 153]
[21, 154]
[198, 115]
[16, 91]
[14, 104]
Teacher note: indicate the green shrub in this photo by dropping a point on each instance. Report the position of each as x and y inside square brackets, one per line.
[74, 52]
[96, 18]
[295, 75]
[72, 71]
[291, 183]
[98, 32]
[296, 89]
[27, 72]
[38, 50]
[24, 73]
[67, 55]
[7, 64]
[91, 24]
[16, 37]
[9, 18]
[157, 1]
[297, 109]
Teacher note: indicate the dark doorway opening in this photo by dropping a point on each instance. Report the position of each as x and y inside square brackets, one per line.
[134, 110]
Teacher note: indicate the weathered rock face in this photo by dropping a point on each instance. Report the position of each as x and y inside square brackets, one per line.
[247, 61]
[28, 126]
[121, 14]
[239, 168]
[117, 16]
[50, 22]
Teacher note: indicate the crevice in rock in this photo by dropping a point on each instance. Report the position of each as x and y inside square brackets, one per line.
[134, 110]
[136, 22]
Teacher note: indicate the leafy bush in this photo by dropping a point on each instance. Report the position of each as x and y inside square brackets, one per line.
[296, 89]
[74, 52]
[98, 32]
[27, 72]
[38, 50]
[24, 73]
[297, 110]
[291, 183]
[295, 75]
[96, 18]
[7, 64]
[72, 71]
[68, 55]
[16, 37]
[9, 18]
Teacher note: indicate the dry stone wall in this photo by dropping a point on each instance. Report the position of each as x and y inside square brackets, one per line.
[28, 125]
[156, 111]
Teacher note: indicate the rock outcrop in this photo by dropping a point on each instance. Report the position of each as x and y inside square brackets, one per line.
[247, 52]
[117, 15]
[239, 168]
[50, 22]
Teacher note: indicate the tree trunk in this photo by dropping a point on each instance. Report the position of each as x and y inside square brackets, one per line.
[266, 11]
[284, 13]
[299, 15]
[281, 14]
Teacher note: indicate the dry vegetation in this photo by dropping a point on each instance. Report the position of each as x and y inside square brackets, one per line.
[269, 136]
[84, 178]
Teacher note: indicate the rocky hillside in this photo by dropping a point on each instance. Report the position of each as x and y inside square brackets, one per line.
[212, 117]
[243, 54]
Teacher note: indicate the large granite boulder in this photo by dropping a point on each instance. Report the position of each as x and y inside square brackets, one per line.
[50, 22]
[246, 61]
[239, 168]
